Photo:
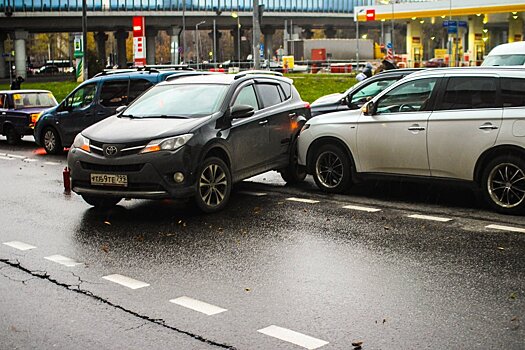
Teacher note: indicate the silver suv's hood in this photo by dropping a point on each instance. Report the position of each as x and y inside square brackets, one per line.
[126, 130]
[342, 117]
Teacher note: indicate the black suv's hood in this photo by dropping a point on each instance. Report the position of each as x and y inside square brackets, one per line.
[126, 130]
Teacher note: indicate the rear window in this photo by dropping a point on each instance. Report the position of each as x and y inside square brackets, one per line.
[504, 60]
[34, 100]
[513, 92]
[287, 89]
[469, 93]
[114, 93]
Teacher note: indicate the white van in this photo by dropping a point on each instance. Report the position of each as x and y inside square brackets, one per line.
[512, 54]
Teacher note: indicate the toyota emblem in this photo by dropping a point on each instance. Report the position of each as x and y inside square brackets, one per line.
[110, 151]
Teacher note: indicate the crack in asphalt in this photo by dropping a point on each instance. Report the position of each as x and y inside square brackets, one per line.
[76, 288]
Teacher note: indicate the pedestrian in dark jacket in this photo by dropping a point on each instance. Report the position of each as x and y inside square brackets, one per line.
[17, 83]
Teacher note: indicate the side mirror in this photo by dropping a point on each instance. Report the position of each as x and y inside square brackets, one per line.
[120, 109]
[241, 111]
[350, 104]
[369, 108]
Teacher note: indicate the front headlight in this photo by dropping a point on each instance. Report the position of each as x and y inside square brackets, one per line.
[169, 144]
[82, 143]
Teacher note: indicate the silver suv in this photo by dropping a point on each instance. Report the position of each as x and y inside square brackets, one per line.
[465, 124]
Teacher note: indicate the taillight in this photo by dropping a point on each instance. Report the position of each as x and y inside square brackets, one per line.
[307, 105]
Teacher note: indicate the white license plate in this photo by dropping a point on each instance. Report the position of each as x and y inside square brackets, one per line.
[109, 180]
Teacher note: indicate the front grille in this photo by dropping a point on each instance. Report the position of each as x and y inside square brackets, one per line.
[111, 168]
[145, 187]
[123, 148]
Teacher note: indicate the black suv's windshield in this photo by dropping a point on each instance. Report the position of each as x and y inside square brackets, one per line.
[191, 100]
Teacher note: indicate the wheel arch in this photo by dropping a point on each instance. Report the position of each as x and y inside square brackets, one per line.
[323, 141]
[492, 153]
[217, 150]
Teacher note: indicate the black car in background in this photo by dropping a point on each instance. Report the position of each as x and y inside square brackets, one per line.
[20, 109]
[192, 137]
[94, 100]
[360, 93]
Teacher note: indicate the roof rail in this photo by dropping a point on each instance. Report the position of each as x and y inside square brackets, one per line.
[264, 72]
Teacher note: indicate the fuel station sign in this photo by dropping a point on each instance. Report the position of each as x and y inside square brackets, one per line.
[139, 41]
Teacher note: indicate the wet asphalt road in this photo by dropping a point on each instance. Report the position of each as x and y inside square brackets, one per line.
[334, 274]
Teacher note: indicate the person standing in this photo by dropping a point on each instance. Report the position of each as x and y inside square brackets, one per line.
[17, 83]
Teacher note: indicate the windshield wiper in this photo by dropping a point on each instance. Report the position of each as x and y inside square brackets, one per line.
[166, 116]
[130, 116]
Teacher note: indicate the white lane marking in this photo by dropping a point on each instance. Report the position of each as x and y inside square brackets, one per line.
[62, 260]
[30, 160]
[357, 207]
[506, 228]
[198, 305]
[51, 163]
[126, 281]
[302, 200]
[16, 156]
[6, 158]
[19, 245]
[255, 194]
[293, 337]
[428, 217]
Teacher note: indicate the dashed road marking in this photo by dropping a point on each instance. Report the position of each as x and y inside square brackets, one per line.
[428, 217]
[506, 228]
[198, 305]
[255, 194]
[302, 200]
[16, 156]
[19, 245]
[62, 260]
[30, 160]
[6, 158]
[357, 207]
[293, 337]
[51, 163]
[126, 281]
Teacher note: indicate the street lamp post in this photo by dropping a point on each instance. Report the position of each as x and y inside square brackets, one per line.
[236, 15]
[184, 30]
[357, 39]
[197, 40]
[392, 2]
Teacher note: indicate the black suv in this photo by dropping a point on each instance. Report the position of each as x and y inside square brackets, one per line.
[94, 100]
[193, 136]
[360, 93]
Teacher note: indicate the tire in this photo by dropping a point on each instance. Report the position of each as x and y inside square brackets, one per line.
[12, 136]
[101, 202]
[51, 141]
[213, 185]
[331, 170]
[503, 184]
[293, 173]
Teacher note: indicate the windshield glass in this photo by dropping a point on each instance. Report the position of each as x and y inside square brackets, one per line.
[191, 100]
[34, 100]
[504, 60]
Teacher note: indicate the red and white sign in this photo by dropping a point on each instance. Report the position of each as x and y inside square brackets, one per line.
[370, 15]
[139, 41]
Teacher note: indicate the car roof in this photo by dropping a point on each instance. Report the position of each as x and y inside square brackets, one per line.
[226, 79]
[400, 71]
[23, 91]
[517, 47]
[500, 70]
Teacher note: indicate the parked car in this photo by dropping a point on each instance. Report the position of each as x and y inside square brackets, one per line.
[464, 124]
[94, 100]
[511, 54]
[47, 70]
[191, 137]
[360, 93]
[19, 110]
[435, 63]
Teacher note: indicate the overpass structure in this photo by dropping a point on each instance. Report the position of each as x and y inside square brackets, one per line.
[480, 24]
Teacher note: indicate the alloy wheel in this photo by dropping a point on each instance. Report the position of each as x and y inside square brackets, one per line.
[213, 185]
[50, 140]
[329, 169]
[506, 185]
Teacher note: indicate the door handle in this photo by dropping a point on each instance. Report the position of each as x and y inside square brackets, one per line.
[263, 122]
[416, 128]
[488, 126]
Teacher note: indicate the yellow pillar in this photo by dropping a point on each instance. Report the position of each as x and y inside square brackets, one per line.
[414, 43]
[476, 45]
[515, 28]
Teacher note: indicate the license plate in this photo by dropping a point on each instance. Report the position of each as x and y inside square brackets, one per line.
[109, 180]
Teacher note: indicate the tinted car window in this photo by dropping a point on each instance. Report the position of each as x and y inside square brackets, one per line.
[371, 90]
[504, 60]
[136, 87]
[469, 93]
[287, 90]
[269, 94]
[247, 97]
[409, 97]
[2, 101]
[513, 92]
[83, 96]
[114, 93]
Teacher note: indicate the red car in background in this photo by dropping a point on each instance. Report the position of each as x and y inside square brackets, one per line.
[435, 63]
